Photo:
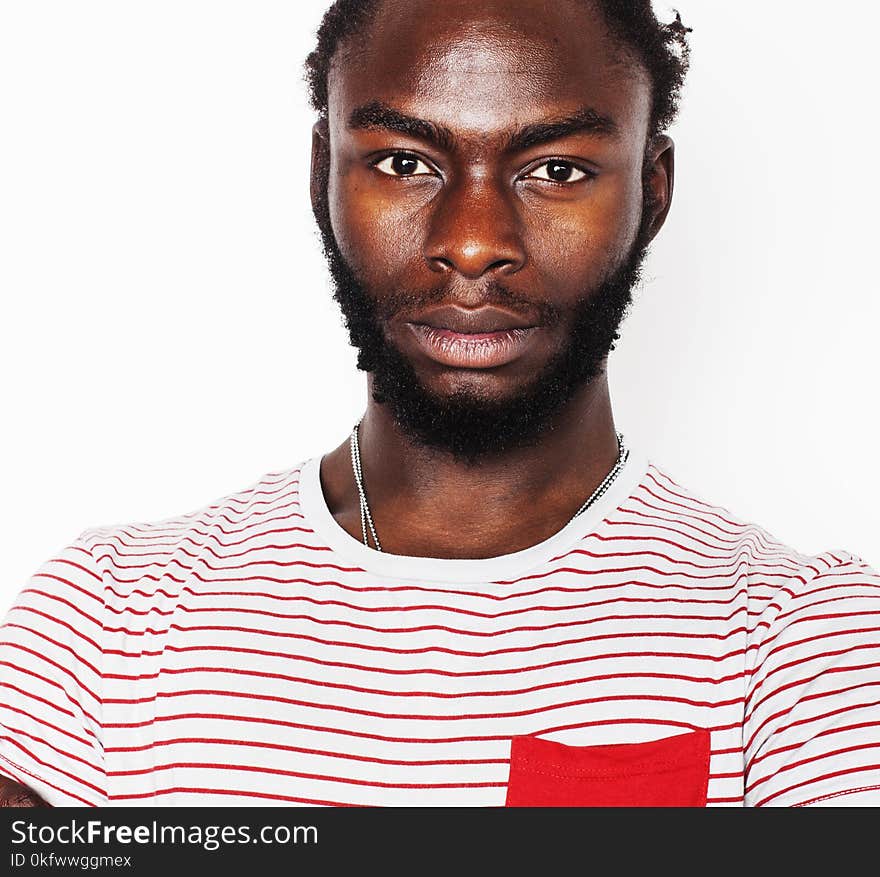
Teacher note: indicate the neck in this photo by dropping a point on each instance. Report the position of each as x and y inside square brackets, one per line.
[426, 503]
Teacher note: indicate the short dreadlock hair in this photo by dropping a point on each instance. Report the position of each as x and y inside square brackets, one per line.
[662, 48]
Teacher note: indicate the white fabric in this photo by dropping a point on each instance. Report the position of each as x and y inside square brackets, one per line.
[253, 652]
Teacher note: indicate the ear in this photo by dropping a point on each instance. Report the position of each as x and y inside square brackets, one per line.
[320, 159]
[660, 176]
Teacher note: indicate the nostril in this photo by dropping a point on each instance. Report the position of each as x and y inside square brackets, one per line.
[503, 265]
[440, 264]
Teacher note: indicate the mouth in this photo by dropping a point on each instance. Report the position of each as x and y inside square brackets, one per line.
[476, 350]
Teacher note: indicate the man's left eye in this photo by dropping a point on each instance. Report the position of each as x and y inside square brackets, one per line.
[557, 172]
[401, 164]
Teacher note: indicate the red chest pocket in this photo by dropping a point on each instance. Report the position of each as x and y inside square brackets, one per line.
[663, 773]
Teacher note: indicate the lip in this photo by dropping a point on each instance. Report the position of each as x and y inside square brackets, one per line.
[485, 320]
[474, 350]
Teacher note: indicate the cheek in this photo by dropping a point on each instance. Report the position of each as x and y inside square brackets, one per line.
[376, 237]
[579, 242]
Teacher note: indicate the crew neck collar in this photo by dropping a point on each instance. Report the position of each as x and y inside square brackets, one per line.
[451, 570]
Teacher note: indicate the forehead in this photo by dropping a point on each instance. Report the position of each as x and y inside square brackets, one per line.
[486, 65]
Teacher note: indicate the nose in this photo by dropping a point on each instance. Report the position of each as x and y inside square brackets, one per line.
[474, 230]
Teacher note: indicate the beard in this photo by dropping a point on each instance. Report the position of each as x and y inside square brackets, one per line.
[466, 424]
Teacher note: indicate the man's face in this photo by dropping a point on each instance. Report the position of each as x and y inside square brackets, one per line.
[483, 210]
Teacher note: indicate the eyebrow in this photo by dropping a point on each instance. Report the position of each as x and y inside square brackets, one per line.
[377, 115]
[585, 121]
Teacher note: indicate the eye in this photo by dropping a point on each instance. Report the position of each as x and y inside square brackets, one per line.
[403, 164]
[558, 171]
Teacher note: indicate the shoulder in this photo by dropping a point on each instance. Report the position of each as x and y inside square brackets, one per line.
[661, 501]
[763, 561]
[131, 553]
[103, 564]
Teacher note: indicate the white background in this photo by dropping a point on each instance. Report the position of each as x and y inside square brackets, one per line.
[168, 335]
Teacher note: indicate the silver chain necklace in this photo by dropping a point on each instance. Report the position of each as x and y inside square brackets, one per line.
[367, 518]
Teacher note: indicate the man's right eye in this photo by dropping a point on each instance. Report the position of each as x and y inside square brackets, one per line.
[403, 164]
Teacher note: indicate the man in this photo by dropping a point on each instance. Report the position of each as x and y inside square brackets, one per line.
[483, 596]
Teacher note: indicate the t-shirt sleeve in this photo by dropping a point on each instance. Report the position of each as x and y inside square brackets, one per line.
[50, 682]
[812, 723]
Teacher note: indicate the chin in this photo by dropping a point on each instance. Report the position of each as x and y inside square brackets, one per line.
[476, 387]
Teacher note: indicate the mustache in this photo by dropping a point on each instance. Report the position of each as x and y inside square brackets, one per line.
[401, 303]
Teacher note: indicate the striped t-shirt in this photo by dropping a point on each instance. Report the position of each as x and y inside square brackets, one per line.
[657, 650]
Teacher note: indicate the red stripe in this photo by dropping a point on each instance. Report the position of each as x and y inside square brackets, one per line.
[686, 548]
[347, 732]
[323, 683]
[806, 698]
[202, 547]
[698, 504]
[198, 557]
[250, 768]
[342, 732]
[211, 516]
[740, 540]
[19, 774]
[798, 662]
[817, 779]
[818, 718]
[862, 570]
[291, 598]
[187, 536]
[699, 509]
[64, 753]
[244, 497]
[254, 744]
[60, 623]
[333, 622]
[715, 659]
[80, 590]
[803, 619]
[807, 680]
[285, 478]
[420, 717]
[628, 635]
[55, 664]
[719, 542]
[793, 765]
[38, 721]
[421, 694]
[45, 701]
[145, 534]
[828, 634]
[218, 512]
[812, 604]
[54, 767]
[734, 564]
[64, 602]
[730, 750]
[688, 513]
[687, 577]
[241, 793]
[81, 568]
[313, 583]
[193, 574]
